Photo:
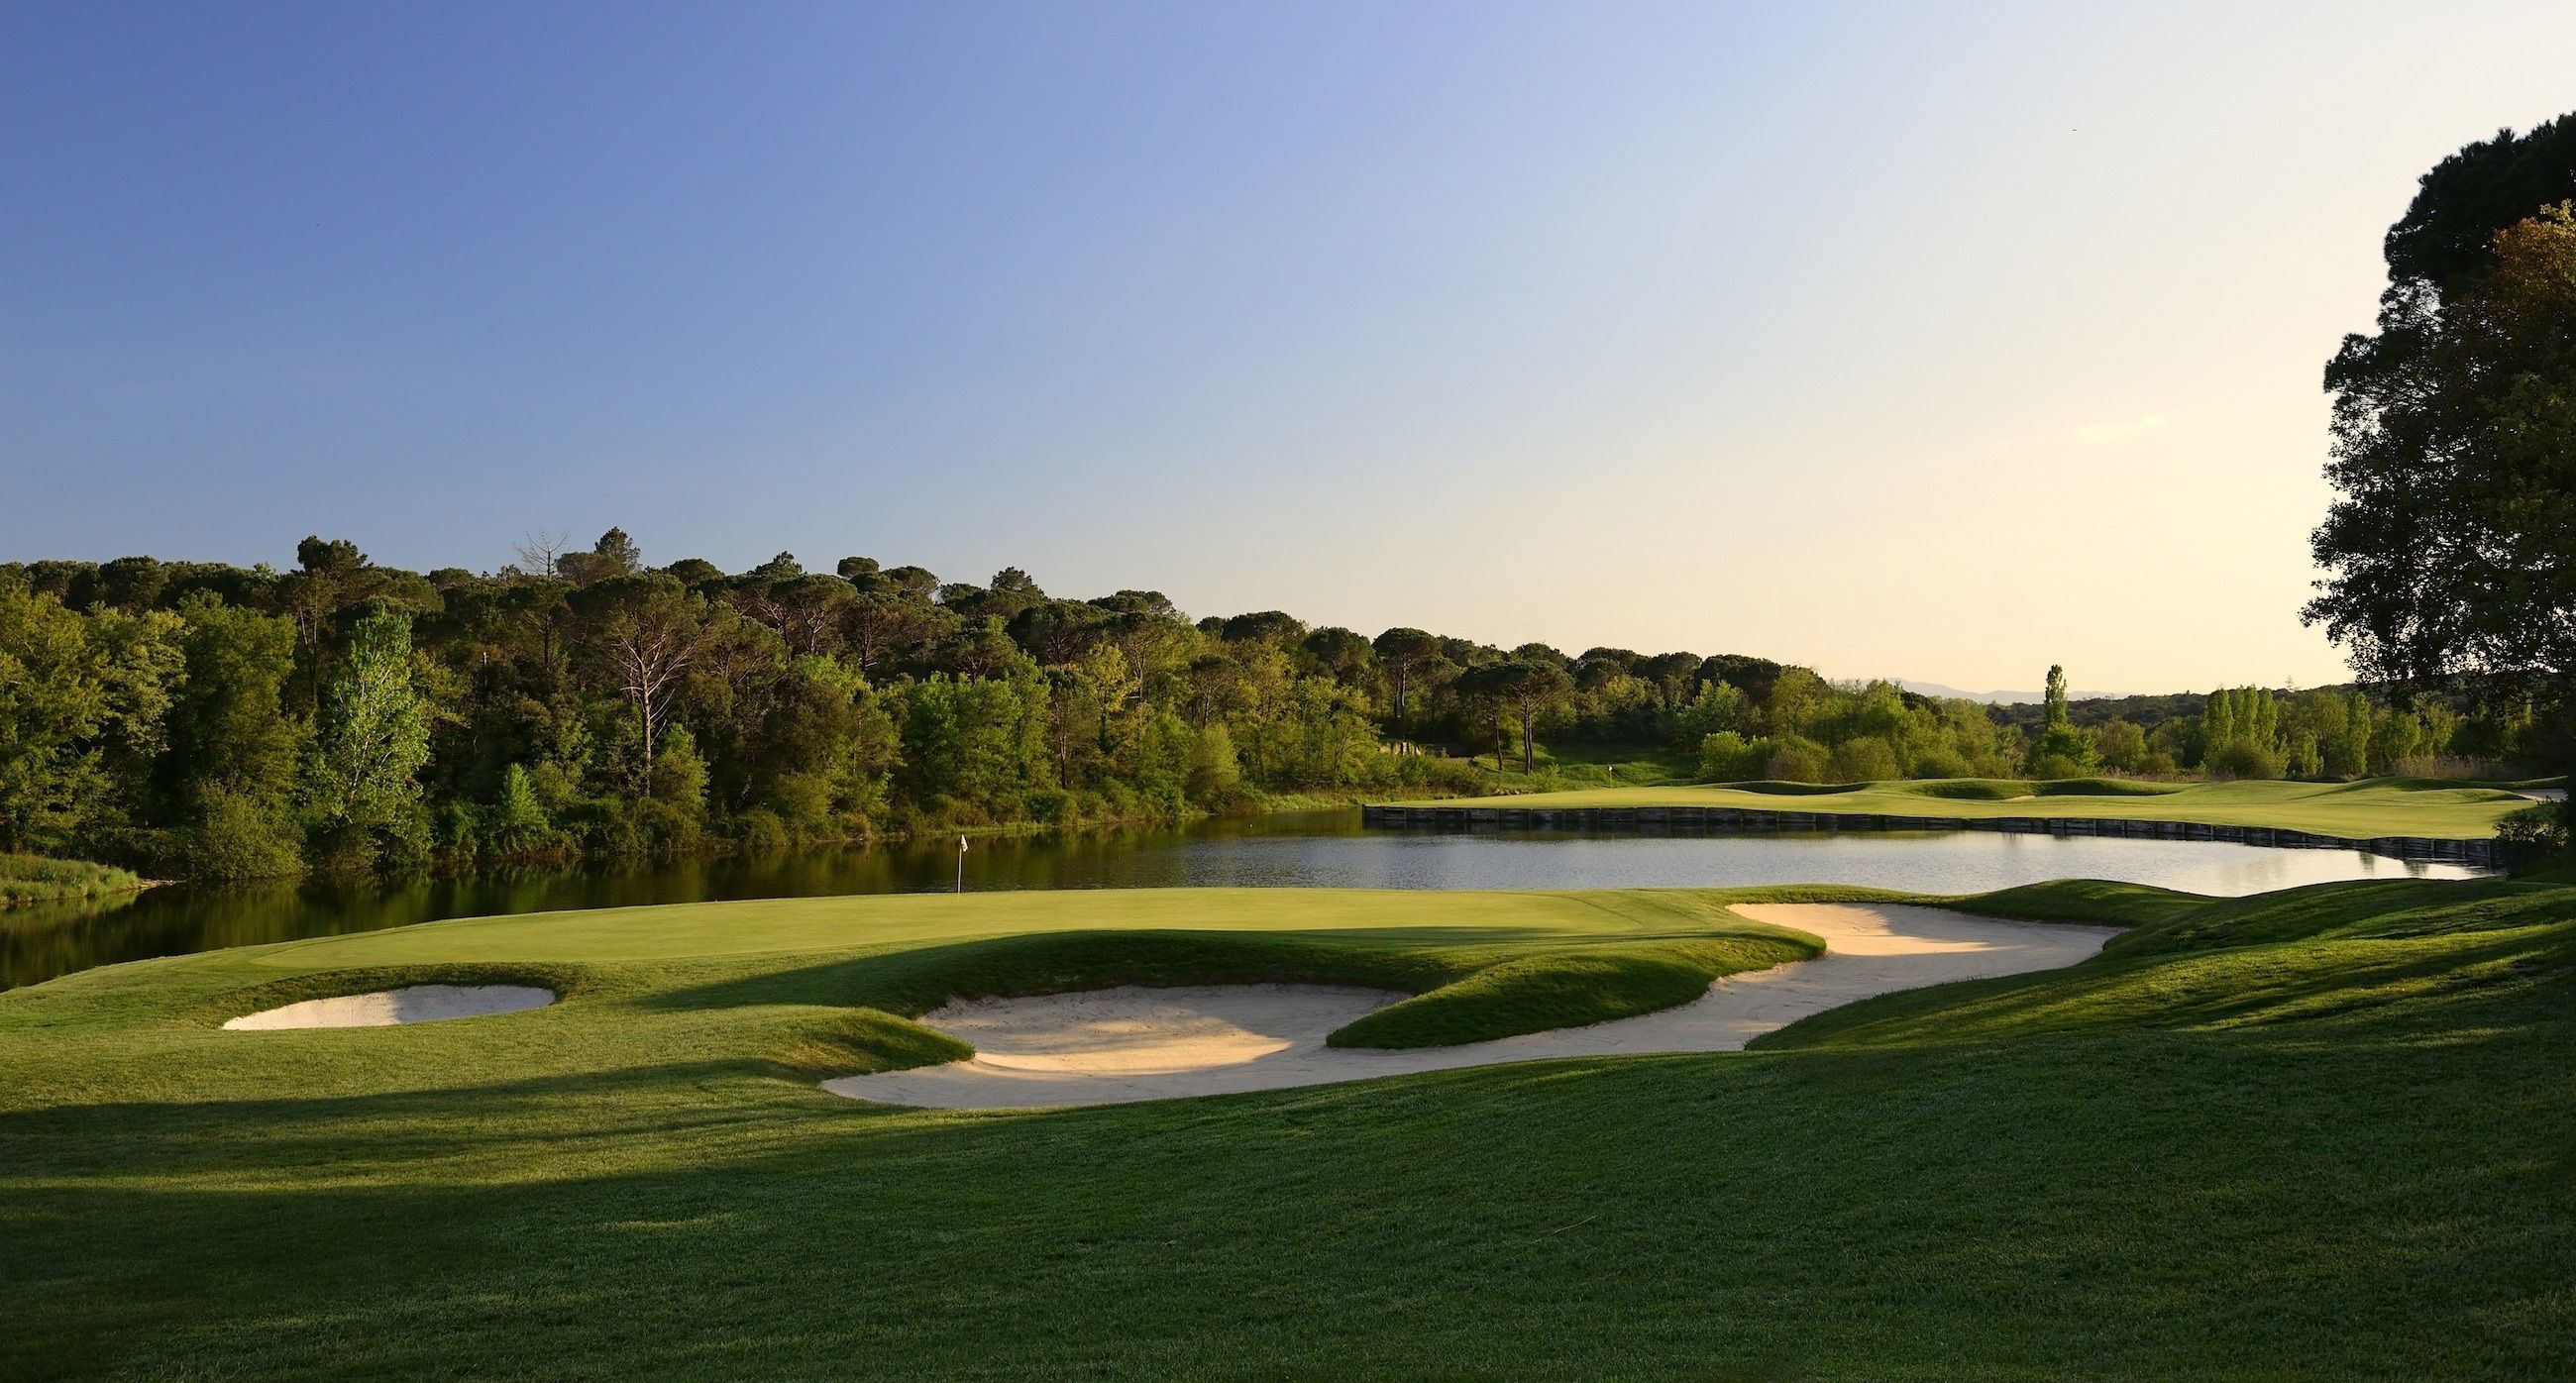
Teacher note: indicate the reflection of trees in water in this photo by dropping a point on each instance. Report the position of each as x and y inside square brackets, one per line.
[42, 939]
[1314, 849]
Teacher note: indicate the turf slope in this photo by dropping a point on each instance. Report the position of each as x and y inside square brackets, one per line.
[2318, 1134]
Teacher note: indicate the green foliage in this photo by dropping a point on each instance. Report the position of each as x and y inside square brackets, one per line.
[37, 879]
[680, 773]
[1521, 689]
[2538, 839]
[517, 824]
[2448, 421]
[372, 740]
[2453, 422]
[873, 700]
[2121, 747]
[83, 697]
[1863, 759]
[1715, 708]
[237, 836]
[229, 731]
[1727, 757]
[2062, 751]
[761, 831]
[1795, 758]
[2240, 734]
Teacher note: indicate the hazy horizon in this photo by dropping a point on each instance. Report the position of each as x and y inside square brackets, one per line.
[1943, 347]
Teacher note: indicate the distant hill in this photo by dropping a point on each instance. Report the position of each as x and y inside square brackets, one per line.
[2002, 698]
[2146, 712]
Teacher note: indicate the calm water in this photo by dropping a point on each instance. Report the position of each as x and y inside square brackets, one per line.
[1323, 849]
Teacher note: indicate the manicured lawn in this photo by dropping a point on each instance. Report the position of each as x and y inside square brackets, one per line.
[2322, 1133]
[2362, 810]
[1582, 764]
[40, 879]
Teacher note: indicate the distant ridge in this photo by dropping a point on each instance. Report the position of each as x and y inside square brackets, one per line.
[2002, 698]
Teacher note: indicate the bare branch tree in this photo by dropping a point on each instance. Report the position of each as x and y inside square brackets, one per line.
[538, 552]
[647, 647]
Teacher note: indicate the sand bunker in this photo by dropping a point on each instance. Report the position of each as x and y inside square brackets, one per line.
[1107, 1045]
[420, 1003]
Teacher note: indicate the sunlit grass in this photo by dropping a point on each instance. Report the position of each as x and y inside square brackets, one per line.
[2360, 811]
[2320, 1133]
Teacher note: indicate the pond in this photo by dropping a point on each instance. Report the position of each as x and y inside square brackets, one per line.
[1306, 849]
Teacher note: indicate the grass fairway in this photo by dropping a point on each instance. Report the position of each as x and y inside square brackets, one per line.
[2357, 811]
[2325, 1133]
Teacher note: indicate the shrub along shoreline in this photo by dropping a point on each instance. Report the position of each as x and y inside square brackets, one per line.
[40, 879]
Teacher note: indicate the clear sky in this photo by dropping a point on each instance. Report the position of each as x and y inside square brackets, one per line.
[1936, 341]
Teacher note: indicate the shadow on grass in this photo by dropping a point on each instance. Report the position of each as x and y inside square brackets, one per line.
[2389, 989]
[2167, 1212]
[913, 982]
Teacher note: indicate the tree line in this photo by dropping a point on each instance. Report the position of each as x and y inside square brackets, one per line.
[213, 721]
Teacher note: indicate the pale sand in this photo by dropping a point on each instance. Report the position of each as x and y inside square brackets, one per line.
[420, 1003]
[1110, 1045]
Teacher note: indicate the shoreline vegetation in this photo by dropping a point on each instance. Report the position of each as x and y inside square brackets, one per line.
[29, 879]
[207, 722]
[2432, 810]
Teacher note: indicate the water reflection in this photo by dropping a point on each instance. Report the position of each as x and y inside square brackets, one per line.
[1318, 849]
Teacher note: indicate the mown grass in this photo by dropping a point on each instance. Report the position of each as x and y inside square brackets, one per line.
[1569, 987]
[2360, 811]
[41, 879]
[2316, 1134]
[1561, 767]
[1470, 992]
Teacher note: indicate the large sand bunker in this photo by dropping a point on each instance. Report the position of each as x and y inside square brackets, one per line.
[1107, 1045]
[420, 1003]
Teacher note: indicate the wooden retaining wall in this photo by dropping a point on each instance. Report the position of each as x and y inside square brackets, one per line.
[1735, 820]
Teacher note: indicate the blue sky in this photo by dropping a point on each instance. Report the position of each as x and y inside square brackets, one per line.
[1943, 342]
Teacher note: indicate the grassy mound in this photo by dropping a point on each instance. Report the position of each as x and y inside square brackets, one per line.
[40, 879]
[1968, 789]
[2321, 1133]
[2098, 902]
[1568, 989]
[2103, 787]
[2407, 955]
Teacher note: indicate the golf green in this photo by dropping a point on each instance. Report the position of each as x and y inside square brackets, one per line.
[2354, 811]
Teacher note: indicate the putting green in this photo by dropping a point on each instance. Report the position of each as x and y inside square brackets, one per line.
[2355, 811]
[878, 921]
